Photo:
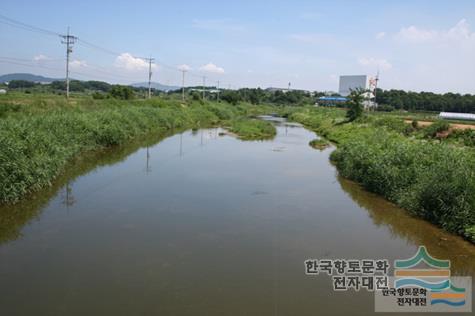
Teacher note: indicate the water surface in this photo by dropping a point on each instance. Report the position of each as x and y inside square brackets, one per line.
[203, 224]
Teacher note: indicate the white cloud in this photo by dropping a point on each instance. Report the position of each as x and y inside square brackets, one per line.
[217, 25]
[459, 33]
[131, 63]
[212, 68]
[184, 67]
[78, 63]
[382, 64]
[380, 35]
[41, 57]
[414, 34]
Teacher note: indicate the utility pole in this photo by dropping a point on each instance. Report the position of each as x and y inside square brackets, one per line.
[204, 84]
[150, 60]
[183, 71]
[376, 87]
[69, 40]
[218, 91]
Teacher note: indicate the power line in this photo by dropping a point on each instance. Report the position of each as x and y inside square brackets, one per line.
[33, 61]
[69, 40]
[97, 47]
[27, 65]
[16, 23]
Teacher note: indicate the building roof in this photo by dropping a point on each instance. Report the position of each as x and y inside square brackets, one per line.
[337, 99]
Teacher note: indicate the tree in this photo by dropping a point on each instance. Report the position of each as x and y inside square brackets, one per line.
[230, 96]
[355, 104]
[16, 84]
[122, 92]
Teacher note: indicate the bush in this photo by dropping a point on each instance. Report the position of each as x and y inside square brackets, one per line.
[435, 128]
[355, 105]
[98, 96]
[385, 108]
[465, 136]
[122, 92]
[231, 97]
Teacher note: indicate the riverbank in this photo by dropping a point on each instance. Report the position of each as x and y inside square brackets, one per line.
[39, 138]
[431, 179]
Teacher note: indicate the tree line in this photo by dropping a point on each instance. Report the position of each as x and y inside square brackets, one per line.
[426, 101]
[387, 99]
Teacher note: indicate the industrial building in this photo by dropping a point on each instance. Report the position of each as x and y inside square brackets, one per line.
[354, 82]
[348, 83]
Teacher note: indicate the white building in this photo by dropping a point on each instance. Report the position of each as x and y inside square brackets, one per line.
[348, 83]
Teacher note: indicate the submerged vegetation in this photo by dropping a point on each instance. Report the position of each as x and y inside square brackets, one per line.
[433, 180]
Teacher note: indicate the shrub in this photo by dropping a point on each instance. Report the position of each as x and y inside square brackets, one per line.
[122, 92]
[439, 126]
[385, 108]
[355, 105]
[98, 96]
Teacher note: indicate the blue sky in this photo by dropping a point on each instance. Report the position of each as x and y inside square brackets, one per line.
[416, 45]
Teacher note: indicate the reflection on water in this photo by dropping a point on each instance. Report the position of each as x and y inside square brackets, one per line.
[415, 231]
[202, 223]
[14, 217]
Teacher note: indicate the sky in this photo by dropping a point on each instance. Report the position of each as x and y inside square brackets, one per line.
[415, 45]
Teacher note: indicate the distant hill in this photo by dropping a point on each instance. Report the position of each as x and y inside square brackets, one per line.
[156, 86]
[27, 77]
[42, 79]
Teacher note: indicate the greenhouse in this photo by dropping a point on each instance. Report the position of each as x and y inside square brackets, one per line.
[457, 116]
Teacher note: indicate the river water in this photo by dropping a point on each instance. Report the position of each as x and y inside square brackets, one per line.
[202, 223]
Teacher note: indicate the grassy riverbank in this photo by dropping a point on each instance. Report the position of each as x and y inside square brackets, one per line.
[38, 136]
[433, 179]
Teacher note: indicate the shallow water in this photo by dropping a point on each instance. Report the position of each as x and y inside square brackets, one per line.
[202, 224]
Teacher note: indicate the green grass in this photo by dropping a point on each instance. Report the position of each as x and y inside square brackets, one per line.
[433, 180]
[319, 144]
[39, 134]
[252, 129]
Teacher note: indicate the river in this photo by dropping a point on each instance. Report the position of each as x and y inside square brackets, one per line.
[201, 223]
